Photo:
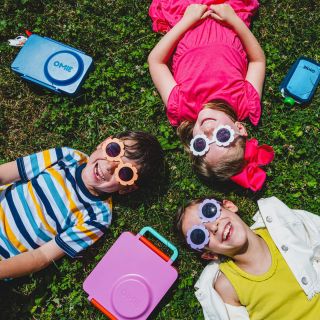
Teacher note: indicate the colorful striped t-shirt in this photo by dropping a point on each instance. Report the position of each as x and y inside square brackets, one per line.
[51, 202]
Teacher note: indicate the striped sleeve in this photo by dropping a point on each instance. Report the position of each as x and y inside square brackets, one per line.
[32, 165]
[79, 237]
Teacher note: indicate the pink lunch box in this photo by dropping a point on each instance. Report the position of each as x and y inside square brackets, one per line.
[132, 277]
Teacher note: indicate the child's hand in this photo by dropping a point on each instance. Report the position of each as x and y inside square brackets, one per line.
[196, 12]
[223, 13]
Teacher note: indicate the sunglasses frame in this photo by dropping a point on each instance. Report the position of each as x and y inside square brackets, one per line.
[213, 140]
[113, 140]
[121, 163]
[203, 219]
[229, 141]
[200, 246]
[205, 150]
[134, 171]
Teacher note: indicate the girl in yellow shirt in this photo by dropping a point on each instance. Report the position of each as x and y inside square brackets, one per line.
[253, 273]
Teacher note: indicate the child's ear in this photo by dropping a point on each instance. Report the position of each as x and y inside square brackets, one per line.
[208, 255]
[229, 205]
[128, 189]
[241, 128]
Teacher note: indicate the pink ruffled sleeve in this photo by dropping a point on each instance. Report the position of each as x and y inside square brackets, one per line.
[159, 22]
[173, 110]
[245, 9]
[248, 103]
[253, 103]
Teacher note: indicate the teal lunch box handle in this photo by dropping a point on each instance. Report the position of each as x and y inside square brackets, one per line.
[162, 239]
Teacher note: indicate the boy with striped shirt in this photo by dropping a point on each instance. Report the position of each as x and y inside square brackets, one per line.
[58, 201]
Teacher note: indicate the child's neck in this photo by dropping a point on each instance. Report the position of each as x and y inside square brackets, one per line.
[257, 257]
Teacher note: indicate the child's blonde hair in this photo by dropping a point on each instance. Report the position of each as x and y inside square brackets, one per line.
[222, 170]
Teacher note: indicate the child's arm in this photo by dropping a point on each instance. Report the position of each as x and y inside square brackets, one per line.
[30, 261]
[159, 56]
[226, 291]
[9, 172]
[27, 167]
[257, 61]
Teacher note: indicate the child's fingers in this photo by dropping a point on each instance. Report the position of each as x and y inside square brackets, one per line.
[204, 9]
[215, 9]
[215, 16]
[206, 14]
[220, 8]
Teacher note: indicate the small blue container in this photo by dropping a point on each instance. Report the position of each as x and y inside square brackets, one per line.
[301, 81]
[52, 65]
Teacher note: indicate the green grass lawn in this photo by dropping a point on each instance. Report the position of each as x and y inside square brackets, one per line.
[119, 95]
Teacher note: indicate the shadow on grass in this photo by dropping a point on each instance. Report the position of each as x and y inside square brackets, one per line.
[228, 187]
[27, 291]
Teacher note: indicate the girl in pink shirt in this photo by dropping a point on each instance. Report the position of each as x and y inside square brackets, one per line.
[215, 81]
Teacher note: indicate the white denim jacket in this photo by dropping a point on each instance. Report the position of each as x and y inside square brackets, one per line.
[296, 233]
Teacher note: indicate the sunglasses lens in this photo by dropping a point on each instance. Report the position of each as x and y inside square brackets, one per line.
[125, 174]
[223, 135]
[199, 144]
[113, 149]
[197, 236]
[209, 210]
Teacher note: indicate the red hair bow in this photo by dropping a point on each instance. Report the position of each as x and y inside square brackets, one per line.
[252, 176]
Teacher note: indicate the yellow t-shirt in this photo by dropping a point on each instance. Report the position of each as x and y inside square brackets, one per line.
[274, 295]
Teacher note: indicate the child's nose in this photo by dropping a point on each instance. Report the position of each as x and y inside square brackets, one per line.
[111, 166]
[208, 129]
[212, 226]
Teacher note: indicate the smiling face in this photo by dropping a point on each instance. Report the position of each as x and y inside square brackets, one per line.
[228, 235]
[99, 174]
[208, 120]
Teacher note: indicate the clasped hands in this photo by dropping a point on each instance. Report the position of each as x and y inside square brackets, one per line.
[223, 13]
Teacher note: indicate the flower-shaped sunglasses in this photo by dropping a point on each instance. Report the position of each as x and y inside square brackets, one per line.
[126, 174]
[222, 136]
[198, 236]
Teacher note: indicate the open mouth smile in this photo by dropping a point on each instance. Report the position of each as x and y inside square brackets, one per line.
[226, 235]
[99, 173]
